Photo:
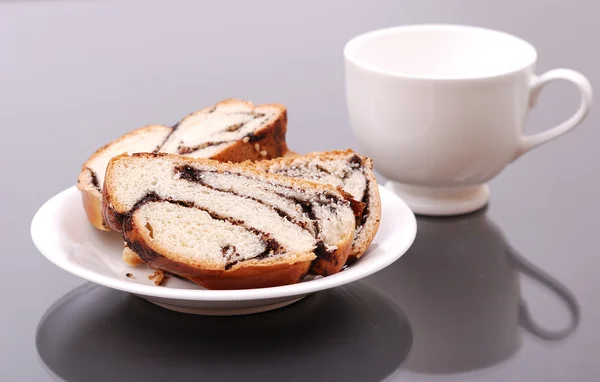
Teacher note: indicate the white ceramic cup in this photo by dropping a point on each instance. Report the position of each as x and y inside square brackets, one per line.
[441, 109]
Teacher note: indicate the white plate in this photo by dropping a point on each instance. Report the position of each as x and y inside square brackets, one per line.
[61, 232]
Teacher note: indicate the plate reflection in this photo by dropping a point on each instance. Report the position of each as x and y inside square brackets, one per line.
[347, 333]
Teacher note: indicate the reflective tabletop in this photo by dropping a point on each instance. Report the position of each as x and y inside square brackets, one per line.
[455, 307]
[508, 293]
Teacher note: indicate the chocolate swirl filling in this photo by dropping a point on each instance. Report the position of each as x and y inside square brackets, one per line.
[321, 251]
[271, 246]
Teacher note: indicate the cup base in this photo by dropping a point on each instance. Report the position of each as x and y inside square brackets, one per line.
[433, 201]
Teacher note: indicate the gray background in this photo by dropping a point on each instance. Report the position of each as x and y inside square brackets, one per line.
[77, 74]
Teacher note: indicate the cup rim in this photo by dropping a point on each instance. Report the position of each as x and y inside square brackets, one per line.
[398, 74]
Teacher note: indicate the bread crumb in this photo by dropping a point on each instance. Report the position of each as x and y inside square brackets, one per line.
[245, 139]
[159, 277]
[263, 153]
[256, 147]
[131, 258]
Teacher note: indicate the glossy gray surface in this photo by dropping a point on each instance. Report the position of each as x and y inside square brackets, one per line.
[494, 296]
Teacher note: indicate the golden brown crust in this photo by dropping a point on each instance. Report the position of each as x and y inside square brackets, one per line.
[253, 277]
[131, 258]
[244, 275]
[92, 205]
[290, 153]
[260, 277]
[371, 226]
[112, 218]
[269, 142]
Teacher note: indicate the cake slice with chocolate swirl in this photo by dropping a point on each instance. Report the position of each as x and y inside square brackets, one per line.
[232, 130]
[226, 225]
[340, 168]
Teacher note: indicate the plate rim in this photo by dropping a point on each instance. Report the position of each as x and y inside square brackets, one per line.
[56, 257]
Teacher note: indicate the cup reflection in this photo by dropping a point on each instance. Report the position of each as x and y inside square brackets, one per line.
[459, 287]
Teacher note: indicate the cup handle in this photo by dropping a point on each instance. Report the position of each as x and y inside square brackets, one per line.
[525, 319]
[585, 89]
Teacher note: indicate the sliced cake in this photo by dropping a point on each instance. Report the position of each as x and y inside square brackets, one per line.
[226, 225]
[91, 177]
[232, 130]
[346, 169]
